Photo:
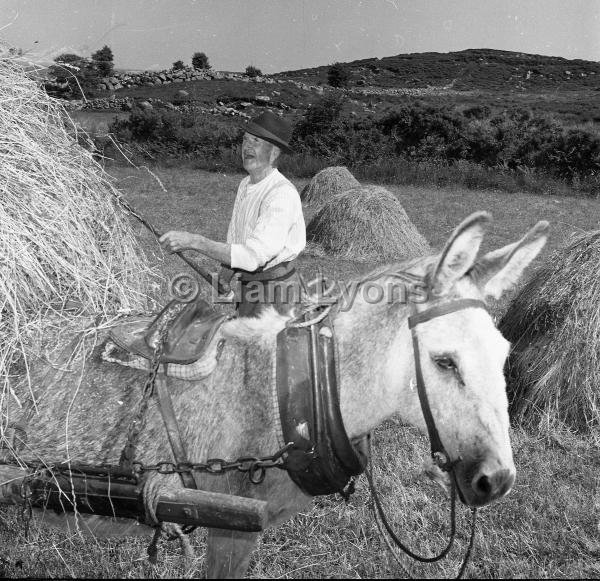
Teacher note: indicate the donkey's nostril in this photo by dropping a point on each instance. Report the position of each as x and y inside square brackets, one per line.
[482, 485]
[494, 485]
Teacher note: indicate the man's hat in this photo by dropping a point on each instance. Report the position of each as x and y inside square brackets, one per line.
[271, 128]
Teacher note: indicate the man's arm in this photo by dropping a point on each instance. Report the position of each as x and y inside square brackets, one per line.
[176, 241]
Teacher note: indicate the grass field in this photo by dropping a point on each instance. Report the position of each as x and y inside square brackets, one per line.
[548, 527]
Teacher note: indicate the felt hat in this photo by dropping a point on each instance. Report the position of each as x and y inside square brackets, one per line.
[271, 128]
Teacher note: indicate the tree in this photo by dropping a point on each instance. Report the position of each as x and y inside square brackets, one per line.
[252, 71]
[200, 61]
[337, 75]
[102, 60]
[178, 66]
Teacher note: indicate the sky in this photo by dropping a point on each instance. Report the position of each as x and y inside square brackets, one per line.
[280, 35]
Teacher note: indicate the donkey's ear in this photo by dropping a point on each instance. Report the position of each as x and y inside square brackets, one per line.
[501, 269]
[459, 253]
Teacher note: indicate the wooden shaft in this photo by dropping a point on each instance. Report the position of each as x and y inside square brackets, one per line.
[122, 498]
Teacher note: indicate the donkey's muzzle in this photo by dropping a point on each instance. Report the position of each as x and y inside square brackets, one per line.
[487, 486]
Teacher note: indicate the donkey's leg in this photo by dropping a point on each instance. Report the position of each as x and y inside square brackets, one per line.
[228, 553]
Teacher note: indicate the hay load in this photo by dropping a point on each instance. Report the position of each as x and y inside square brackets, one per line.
[326, 184]
[366, 223]
[67, 253]
[553, 372]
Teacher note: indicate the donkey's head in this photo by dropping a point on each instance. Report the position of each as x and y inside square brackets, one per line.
[462, 355]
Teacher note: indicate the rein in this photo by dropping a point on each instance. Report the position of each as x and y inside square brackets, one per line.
[438, 452]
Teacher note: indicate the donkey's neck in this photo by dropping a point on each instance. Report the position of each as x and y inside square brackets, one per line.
[376, 365]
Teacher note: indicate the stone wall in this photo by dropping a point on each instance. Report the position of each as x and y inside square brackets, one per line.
[154, 78]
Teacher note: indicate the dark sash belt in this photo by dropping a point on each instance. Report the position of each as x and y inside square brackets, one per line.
[277, 272]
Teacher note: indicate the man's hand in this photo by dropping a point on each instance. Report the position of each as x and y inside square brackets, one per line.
[176, 241]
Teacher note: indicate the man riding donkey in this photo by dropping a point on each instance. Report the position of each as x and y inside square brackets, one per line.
[266, 232]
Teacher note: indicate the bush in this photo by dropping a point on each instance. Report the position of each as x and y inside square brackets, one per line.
[200, 61]
[79, 73]
[319, 119]
[575, 153]
[337, 75]
[424, 132]
[178, 66]
[171, 133]
[422, 144]
[252, 71]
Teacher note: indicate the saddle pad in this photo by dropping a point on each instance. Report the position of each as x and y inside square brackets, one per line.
[200, 369]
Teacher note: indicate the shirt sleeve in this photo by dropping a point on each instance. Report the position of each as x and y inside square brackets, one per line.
[269, 236]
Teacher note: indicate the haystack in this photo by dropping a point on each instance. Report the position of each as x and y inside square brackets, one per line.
[67, 252]
[554, 325]
[366, 223]
[326, 184]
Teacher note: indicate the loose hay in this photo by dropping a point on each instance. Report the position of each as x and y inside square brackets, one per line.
[554, 325]
[327, 183]
[63, 242]
[366, 223]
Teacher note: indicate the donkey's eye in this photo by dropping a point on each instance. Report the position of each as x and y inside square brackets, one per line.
[445, 363]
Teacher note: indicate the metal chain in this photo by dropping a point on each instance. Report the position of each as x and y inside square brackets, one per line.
[137, 423]
[256, 467]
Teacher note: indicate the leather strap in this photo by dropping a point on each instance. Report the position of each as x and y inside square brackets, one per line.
[438, 451]
[434, 436]
[322, 460]
[440, 310]
[165, 405]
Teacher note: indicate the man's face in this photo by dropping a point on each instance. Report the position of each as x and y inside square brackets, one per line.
[256, 153]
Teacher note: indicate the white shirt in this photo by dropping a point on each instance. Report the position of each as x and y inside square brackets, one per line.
[267, 224]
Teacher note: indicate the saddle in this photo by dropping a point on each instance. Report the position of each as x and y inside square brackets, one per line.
[190, 330]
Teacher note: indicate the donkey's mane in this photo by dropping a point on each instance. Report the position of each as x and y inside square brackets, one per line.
[395, 268]
[270, 322]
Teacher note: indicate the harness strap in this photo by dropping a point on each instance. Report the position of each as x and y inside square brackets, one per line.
[438, 452]
[435, 441]
[440, 310]
[165, 405]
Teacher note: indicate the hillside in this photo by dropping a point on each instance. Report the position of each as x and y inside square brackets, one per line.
[500, 80]
[467, 70]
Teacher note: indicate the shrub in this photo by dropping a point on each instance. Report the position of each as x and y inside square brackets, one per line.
[78, 72]
[319, 119]
[337, 75]
[200, 61]
[424, 132]
[173, 133]
[252, 71]
[178, 65]
[575, 153]
[510, 150]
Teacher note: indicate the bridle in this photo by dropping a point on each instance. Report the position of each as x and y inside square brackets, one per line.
[438, 452]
